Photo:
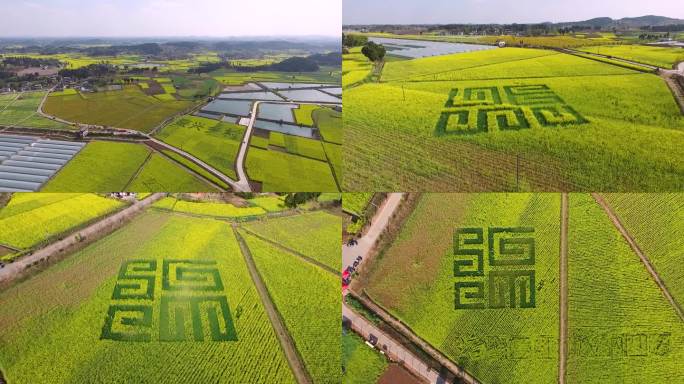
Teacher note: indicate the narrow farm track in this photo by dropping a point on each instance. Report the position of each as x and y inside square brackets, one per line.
[563, 287]
[286, 342]
[635, 247]
[94, 231]
[293, 252]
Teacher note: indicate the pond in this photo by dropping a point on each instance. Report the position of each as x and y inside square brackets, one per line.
[277, 112]
[274, 85]
[257, 95]
[289, 129]
[420, 48]
[230, 107]
[309, 95]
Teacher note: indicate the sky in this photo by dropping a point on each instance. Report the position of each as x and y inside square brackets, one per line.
[501, 11]
[140, 18]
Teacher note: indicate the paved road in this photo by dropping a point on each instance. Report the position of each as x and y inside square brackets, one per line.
[632, 243]
[15, 269]
[563, 302]
[293, 358]
[377, 226]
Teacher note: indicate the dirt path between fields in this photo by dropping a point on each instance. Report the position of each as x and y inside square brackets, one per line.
[292, 251]
[286, 342]
[87, 235]
[644, 259]
[563, 302]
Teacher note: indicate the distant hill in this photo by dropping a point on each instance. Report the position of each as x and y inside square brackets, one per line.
[625, 22]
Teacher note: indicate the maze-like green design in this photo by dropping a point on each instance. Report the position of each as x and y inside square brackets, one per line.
[475, 110]
[191, 275]
[136, 280]
[512, 347]
[133, 323]
[183, 315]
[176, 310]
[507, 247]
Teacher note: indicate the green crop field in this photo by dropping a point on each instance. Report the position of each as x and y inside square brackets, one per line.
[298, 145]
[166, 298]
[658, 56]
[284, 172]
[355, 67]
[424, 251]
[295, 232]
[356, 202]
[214, 142]
[292, 283]
[128, 108]
[104, 166]
[621, 327]
[362, 364]
[29, 218]
[161, 174]
[21, 110]
[512, 119]
[329, 122]
[303, 114]
[269, 203]
[477, 277]
[207, 208]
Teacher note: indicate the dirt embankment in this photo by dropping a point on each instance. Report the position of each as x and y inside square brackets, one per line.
[396, 374]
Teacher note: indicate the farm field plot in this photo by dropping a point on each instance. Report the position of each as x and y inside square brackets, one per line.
[30, 218]
[22, 110]
[315, 329]
[621, 327]
[512, 119]
[217, 143]
[128, 108]
[316, 235]
[362, 364]
[166, 299]
[355, 67]
[658, 56]
[104, 166]
[477, 276]
[356, 202]
[329, 122]
[496, 339]
[208, 208]
[284, 172]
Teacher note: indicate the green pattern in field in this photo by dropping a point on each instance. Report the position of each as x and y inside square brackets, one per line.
[621, 327]
[292, 283]
[362, 364]
[459, 122]
[208, 209]
[128, 108]
[316, 235]
[415, 281]
[217, 143]
[67, 305]
[284, 172]
[658, 56]
[21, 110]
[30, 218]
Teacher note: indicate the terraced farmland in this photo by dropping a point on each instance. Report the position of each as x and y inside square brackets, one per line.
[128, 108]
[477, 276]
[512, 119]
[168, 298]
